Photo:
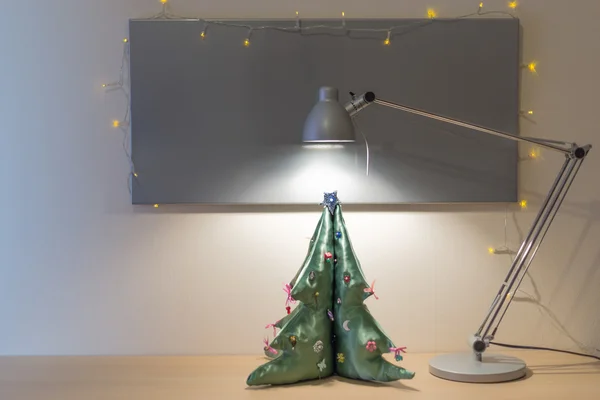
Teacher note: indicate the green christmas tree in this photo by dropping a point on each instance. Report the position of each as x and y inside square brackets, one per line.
[322, 336]
[303, 346]
[359, 340]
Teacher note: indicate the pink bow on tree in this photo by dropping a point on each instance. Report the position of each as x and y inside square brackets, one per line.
[268, 347]
[372, 290]
[274, 328]
[398, 350]
[288, 289]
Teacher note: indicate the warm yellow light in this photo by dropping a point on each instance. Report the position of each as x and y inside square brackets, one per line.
[156, 206]
[534, 154]
[247, 42]
[523, 204]
[491, 250]
[481, 5]
[388, 39]
[431, 14]
[513, 4]
[104, 85]
[135, 174]
[125, 40]
[530, 112]
[203, 34]
[297, 13]
[343, 14]
[163, 1]
[532, 67]
[116, 123]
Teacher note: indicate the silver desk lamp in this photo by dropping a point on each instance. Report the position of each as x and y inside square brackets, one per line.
[331, 122]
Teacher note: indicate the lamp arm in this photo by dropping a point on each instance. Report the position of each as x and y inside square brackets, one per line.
[574, 157]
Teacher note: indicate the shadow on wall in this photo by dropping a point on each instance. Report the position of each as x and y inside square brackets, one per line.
[590, 213]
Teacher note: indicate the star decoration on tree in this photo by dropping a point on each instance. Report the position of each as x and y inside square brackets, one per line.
[330, 200]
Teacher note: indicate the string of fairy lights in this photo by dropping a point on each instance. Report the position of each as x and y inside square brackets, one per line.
[297, 26]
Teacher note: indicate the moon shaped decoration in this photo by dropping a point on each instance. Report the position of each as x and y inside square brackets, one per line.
[345, 325]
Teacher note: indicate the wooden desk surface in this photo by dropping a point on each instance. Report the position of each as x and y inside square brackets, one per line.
[552, 376]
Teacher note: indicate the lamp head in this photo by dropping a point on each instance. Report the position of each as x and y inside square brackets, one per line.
[328, 121]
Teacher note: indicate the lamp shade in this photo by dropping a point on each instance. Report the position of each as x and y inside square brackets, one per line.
[328, 121]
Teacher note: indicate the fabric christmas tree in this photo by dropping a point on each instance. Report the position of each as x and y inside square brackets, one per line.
[322, 336]
[359, 340]
[303, 348]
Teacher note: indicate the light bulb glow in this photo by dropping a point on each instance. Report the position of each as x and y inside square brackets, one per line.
[156, 206]
[125, 40]
[523, 204]
[247, 42]
[491, 250]
[135, 174]
[163, 1]
[431, 14]
[481, 5]
[104, 85]
[343, 14]
[513, 5]
[203, 34]
[532, 67]
[388, 40]
[116, 123]
[534, 154]
[530, 112]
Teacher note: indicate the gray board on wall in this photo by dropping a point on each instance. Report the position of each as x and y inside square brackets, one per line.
[214, 122]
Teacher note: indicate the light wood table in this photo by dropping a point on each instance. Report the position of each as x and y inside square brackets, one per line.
[552, 376]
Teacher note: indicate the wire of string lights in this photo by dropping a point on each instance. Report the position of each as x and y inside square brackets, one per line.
[299, 28]
[124, 124]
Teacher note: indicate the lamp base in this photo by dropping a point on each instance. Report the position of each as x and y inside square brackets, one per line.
[464, 367]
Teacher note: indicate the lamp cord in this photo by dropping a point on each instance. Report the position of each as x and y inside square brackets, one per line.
[366, 144]
[515, 346]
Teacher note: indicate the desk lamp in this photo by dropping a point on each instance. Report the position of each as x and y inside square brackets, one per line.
[331, 122]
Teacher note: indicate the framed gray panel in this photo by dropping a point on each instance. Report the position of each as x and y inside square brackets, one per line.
[214, 122]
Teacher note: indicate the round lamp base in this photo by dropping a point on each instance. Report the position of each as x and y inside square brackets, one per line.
[464, 367]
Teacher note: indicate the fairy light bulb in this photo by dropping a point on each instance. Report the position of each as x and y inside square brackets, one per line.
[523, 204]
[203, 34]
[156, 206]
[125, 40]
[491, 250]
[388, 39]
[247, 42]
[163, 2]
[104, 85]
[513, 5]
[116, 123]
[135, 174]
[534, 154]
[532, 67]
[481, 5]
[431, 14]
[530, 112]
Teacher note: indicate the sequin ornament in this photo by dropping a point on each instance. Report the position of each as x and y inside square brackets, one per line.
[318, 346]
[371, 346]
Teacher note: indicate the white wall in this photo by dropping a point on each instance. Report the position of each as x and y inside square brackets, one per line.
[85, 272]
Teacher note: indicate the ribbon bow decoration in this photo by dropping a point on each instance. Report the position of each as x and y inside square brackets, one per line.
[288, 289]
[398, 352]
[274, 328]
[371, 290]
[268, 347]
